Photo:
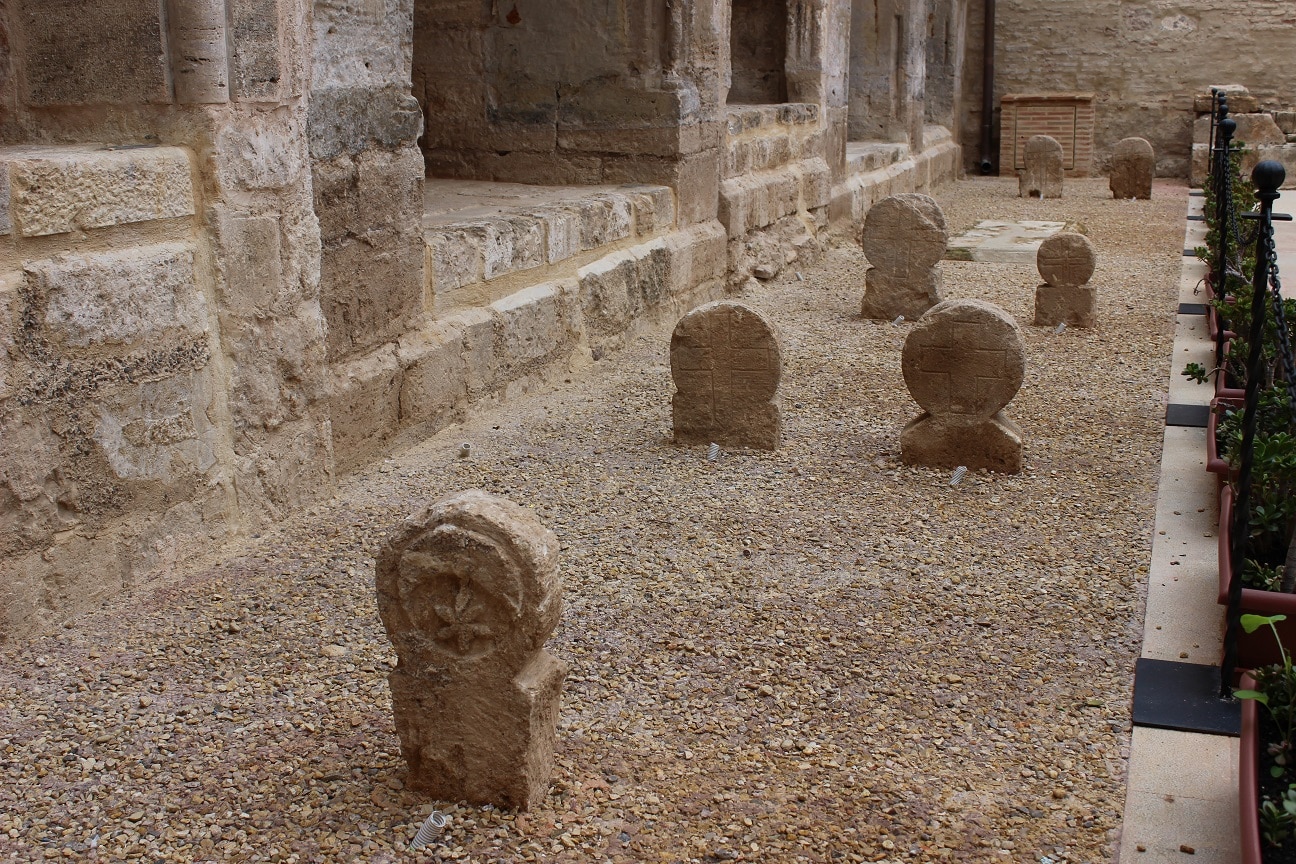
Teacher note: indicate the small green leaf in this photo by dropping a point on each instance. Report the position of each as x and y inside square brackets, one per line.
[1275, 771]
[1262, 698]
[1252, 623]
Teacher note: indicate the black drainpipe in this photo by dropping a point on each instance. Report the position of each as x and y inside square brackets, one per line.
[987, 86]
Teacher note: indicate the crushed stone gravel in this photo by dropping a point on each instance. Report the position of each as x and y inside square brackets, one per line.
[817, 655]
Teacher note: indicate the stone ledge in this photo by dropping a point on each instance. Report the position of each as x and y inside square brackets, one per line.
[56, 190]
[852, 199]
[501, 231]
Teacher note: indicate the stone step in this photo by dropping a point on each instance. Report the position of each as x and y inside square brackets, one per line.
[484, 239]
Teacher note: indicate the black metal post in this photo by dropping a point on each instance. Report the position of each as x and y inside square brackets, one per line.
[1267, 177]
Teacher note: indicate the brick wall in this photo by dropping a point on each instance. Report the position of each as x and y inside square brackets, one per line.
[1066, 117]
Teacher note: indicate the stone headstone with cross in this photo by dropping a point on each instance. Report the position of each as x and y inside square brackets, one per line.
[1042, 175]
[468, 591]
[904, 237]
[726, 364]
[963, 362]
[1132, 166]
[1066, 261]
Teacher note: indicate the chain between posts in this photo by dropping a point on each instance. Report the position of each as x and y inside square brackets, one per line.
[1267, 177]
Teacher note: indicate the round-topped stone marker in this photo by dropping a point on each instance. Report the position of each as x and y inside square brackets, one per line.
[964, 360]
[1066, 259]
[905, 235]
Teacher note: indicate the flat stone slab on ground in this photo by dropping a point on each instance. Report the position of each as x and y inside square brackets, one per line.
[1002, 242]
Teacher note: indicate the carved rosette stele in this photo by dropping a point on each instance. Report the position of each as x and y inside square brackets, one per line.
[468, 591]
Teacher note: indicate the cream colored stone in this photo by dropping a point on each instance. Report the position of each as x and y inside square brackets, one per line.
[963, 362]
[1066, 258]
[120, 298]
[904, 237]
[726, 364]
[1042, 176]
[1133, 166]
[60, 189]
[1074, 305]
[468, 591]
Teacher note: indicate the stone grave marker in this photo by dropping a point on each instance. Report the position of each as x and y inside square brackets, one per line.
[904, 237]
[963, 362]
[726, 365]
[1132, 167]
[468, 591]
[1066, 261]
[1042, 175]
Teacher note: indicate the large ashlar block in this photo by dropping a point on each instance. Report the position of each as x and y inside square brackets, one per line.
[60, 189]
[434, 384]
[364, 405]
[124, 298]
[253, 265]
[259, 73]
[101, 53]
[468, 591]
[536, 324]
[160, 430]
[199, 51]
[608, 293]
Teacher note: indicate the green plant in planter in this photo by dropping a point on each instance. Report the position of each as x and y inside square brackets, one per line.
[1276, 690]
[1278, 819]
[1273, 485]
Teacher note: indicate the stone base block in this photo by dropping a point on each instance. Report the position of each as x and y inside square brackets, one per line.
[757, 426]
[492, 743]
[1076, 305]
[886, 297]
[994, 444]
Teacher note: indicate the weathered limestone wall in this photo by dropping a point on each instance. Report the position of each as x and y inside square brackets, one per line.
[162, 338]
[943, 80]
[888, 70]
[574, 92]
[1144, 59]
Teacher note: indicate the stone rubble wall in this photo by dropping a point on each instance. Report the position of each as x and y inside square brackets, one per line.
[1145, 60]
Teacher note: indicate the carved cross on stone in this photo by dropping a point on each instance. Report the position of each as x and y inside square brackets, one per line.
[963, 362]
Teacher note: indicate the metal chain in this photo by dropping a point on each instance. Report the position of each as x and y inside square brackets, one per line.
[1269, 249]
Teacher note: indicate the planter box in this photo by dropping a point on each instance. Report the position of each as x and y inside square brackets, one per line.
[1249, 778]
[1258, 648]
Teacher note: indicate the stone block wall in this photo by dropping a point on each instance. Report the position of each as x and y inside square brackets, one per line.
[1144, 60]
[115, 434]
[219, 287]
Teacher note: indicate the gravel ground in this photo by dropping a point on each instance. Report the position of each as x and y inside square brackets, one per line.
[817, 654]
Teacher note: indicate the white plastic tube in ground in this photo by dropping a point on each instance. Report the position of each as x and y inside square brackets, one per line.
[431, 829]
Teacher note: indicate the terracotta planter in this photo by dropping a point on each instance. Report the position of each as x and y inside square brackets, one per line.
[1258, 648]
[1249, 778]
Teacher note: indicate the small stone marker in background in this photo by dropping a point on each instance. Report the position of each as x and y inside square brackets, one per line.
[904, 237]
[1042, 175]
[1066, 261]
[963, 362]
[1132, 167]
[468, 591]
[726, 364]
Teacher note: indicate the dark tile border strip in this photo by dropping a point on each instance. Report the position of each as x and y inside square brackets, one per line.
[1183, 697]
[1193, 416]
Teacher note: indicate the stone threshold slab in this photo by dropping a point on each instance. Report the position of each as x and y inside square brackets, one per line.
[996, 242]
